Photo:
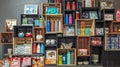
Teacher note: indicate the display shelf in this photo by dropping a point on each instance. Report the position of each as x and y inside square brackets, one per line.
[39, 34]
[83, 46]
[96, 55]
[46, 6]
[6, 38]
[85, 27]
[112, 42]
[67, 42]
[29, 19]
[23, 30]
[22, 44]
[70, 56]
[92, 3]
[54, 23]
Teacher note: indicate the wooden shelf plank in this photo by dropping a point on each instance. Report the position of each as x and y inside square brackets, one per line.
[7, 43]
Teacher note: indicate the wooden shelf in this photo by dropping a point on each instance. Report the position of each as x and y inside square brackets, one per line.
[27, 54]
[38, 41]
[83, 55]
[66, 64]
[69, 24]
[7, 43]
[112, 49]
[52, 14]
[66, 48]
[90, 8]
[85, 24]
[69, 10]
[53, 32]
[113, 33]
[45, 5]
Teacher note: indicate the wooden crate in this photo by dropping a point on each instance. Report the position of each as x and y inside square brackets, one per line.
[6, 38]
[85, 24]
[112, 44]
[93, 2]
[45, 5]
[83, 43]
[21, 41]
[115, 27]
[40, 31]
[60, 51]
[59, 18]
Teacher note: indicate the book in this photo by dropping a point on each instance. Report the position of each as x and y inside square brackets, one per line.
[93, 15]
[85, 15]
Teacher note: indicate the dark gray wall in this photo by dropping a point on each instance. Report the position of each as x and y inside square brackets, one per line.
[13, 9]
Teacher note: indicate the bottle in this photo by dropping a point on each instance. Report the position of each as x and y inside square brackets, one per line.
[56, 26]
[68, 5]
[60, 59]
[41, 22]
[38, 48]
[77, 15]
[68, 57]
[70, 18]
[66, 19]
[60, 26]
[64, 58]
[52, 26]
[73, 5]
[71, 57]
[34, 49]
[42, 49]
[48, 26]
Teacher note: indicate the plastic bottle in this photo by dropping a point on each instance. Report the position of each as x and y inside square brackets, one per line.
[66, 19]
[38, 48]
[42, 49]
[70, 18]
[68, 57]
[34, 49]
[48, 26]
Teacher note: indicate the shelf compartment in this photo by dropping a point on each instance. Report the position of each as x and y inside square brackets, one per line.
[66, 42]
[83, 46]
[39, 32]
[112, 42]
[23, 29]
[28, 19]
[22, 44]
[54, 23]
[85, 27]
[6, 38]
[47, 5]
[62, 53]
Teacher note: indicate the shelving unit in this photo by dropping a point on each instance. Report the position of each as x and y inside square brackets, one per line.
[85, 27]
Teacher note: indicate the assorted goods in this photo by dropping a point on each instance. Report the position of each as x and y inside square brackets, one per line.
[96, 41]
[66, 58]
[99, 31]
[112, 42]
[53, 26]
[38, 48]
[23, 49]
[65, 52]
[70, 5]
